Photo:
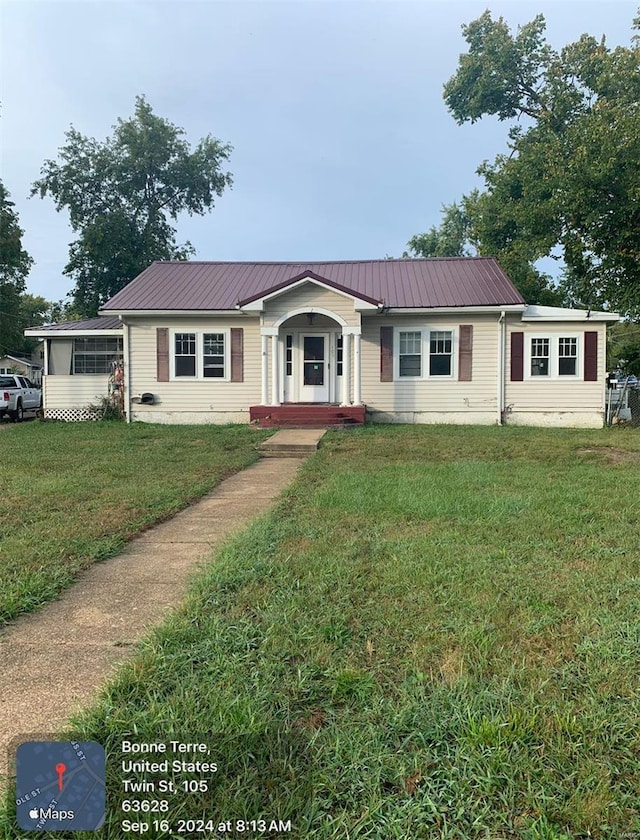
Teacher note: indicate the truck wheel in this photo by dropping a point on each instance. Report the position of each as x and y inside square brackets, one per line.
[18, 414]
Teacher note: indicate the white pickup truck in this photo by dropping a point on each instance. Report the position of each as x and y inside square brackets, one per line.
[17, 395]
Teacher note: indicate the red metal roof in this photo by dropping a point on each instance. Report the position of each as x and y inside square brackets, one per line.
[425, 283]
[102, 322]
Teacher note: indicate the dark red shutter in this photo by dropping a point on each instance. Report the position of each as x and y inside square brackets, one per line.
[465, 353]
[386, 354]
[591, 357]
[162, 353]
[237, 356]
[517, 356]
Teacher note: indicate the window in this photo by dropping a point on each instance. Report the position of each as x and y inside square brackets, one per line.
[185, 350]
[567, 356]
[554, 356]
[289, 355]
[539, 357]
[213, 355]
[424, 353]
[339, 355]
[96, 354]
[199, 355]
[410, 353]
[440, 353]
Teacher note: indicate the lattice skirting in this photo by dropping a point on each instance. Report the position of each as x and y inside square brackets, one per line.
[70, 415]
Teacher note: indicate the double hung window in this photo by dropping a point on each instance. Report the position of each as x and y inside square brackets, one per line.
[440, 353]
[567, 356]
[213, 355]
[554, 356]
[200, 355]
[539, 357]
[425, 353]
[410, 353]
[185, 349]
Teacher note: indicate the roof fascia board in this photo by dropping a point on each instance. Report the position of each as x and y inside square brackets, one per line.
[17, 359]
[579, 317]
[452, 310]
[69, 333]
[257, 305]
[168, 313]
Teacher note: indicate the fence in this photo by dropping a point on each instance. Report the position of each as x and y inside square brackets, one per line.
[623, 404]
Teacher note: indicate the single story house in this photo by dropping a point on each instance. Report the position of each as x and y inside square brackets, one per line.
[22, 367]
[419, 341]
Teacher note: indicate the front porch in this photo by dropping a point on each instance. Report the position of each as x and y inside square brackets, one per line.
[306, 415]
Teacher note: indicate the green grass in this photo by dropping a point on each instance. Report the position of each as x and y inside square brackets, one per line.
[436, 634]
[75, 493]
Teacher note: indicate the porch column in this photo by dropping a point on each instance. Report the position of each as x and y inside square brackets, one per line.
[265, 370]
[346, 368]
[275, 364]
[357, 399]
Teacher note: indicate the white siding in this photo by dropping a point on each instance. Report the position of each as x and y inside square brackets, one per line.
[434, 400]
[205, 401]
[70, 392]
[310, 295]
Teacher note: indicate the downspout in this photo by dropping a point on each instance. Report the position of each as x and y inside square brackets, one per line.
[45, 374]
[501, 366]
[127, 370]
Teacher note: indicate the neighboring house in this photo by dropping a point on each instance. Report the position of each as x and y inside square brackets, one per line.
[21, 367]
[419, 341]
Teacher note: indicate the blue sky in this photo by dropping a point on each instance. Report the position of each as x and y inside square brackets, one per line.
[343, 146]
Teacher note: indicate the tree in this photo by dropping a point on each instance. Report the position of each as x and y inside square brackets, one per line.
[462, 234]
[34, 310]
[15, 264]
[451, 239]
[570, 181]
[623, 352]
[123, 195]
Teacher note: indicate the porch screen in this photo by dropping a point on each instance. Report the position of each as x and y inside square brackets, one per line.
[60, 356]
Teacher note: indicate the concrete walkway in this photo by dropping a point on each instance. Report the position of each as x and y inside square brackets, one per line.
[54, 661]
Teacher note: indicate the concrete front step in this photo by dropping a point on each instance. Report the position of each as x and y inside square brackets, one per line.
[292, 443]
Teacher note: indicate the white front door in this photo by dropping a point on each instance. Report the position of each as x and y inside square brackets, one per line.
[314, 368]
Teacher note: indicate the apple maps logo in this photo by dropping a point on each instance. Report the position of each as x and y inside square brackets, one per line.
[50, 814]
[60, 785]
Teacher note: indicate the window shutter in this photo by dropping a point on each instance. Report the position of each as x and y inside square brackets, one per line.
[162, 354]
[237, 358]
[517, 356]
[386, 354]
[591, 357]
[465, 353]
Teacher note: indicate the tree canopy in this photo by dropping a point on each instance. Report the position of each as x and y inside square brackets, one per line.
[15, 264]
[569, 185]
[124, 196]
[452, 238]
[458, 235]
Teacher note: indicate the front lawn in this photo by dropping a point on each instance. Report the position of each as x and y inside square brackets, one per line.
[74, 493]
[436, 634]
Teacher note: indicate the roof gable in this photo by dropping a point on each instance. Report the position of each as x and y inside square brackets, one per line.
[257, 301]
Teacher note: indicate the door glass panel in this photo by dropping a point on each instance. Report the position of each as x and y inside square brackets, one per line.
[313, 347]
[314, 360]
